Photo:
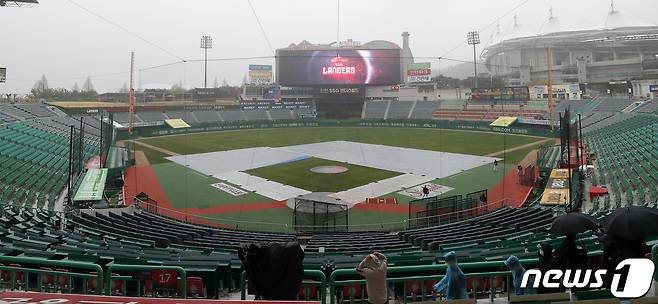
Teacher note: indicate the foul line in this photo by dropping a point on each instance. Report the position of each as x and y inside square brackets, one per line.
[518, 147]
[165, 151]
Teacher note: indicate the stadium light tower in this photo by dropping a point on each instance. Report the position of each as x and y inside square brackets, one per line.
[206, 43]
[473, 38]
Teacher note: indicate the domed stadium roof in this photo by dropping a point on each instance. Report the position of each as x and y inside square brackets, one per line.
[553, 30]
[375, 44]
[381, 44]
[552, 24]
[616, 19]
[518, 31]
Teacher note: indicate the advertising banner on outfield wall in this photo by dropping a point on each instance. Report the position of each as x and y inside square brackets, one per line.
[3, 75]
[423, 124]
[419, 72]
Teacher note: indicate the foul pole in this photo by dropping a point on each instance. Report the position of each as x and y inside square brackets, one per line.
[131, 113]
[549, 86]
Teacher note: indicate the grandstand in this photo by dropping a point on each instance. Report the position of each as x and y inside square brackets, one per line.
[214, 116]
[34, 141]
[399, 110]
[650, 106]
[34, 152]
[168, 190]
[423, 110]
[626, 159]
[488, 113]
[374, 110]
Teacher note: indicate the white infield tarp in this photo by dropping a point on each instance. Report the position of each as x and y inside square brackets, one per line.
[417, 166]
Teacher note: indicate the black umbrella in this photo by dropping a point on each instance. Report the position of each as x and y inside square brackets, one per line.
[633, 222]
[572, 223]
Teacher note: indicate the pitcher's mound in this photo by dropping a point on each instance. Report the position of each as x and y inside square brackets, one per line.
[329, 169]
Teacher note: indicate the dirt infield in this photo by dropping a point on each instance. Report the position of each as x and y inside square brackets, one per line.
[329, 169]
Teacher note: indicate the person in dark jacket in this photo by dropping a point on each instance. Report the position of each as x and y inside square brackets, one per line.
[546, 263]
[570, 255]
[274, 270]
[426, 191]
[617, 249]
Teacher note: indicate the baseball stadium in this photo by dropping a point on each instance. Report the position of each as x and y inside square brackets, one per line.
[340, 160]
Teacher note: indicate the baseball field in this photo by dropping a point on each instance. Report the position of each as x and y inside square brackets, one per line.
[191, 191]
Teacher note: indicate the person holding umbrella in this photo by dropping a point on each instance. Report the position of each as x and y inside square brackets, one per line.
[625, 232]
[634, 222]
[570, 255]
[573, 223]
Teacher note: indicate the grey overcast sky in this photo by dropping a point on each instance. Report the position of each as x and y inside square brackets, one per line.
[67, 44]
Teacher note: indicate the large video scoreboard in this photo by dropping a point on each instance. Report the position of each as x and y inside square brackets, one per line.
[338, 67]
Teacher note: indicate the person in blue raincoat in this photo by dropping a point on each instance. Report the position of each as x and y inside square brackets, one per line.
[517, 270]
[454, 282]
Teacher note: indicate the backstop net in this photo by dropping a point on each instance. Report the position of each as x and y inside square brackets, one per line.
[442, 210]
[316, 216]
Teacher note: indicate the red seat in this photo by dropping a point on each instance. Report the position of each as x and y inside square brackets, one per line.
[429, 286]
[414, 288]
[5, 276]
[47, 279]
[352, 292]
[148, 288]
[312, 292]
[498, 282]
[116, 286]
[62, 280]
[477, 282]
[195, 287]
[92, 284]
[19, 275]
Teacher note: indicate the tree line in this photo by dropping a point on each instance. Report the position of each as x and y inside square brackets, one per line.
[41, 89]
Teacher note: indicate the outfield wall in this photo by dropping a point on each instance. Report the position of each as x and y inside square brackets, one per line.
[153, 131]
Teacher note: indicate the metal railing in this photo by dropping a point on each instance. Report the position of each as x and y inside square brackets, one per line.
[312, 278]
[420, 273]
[16, 275]
[228, 223]
[489, 278]
[15, 271]
[182, 275]
[412, 275]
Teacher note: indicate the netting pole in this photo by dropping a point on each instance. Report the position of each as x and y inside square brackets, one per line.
[100, 153]
[68, 194]
[81, 140]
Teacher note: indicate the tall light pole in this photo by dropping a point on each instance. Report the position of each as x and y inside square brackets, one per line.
[206, 43]
[473, 39]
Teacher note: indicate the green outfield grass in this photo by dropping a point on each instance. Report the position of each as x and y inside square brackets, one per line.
[186, 188]
[298, 174]
[455, 141]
